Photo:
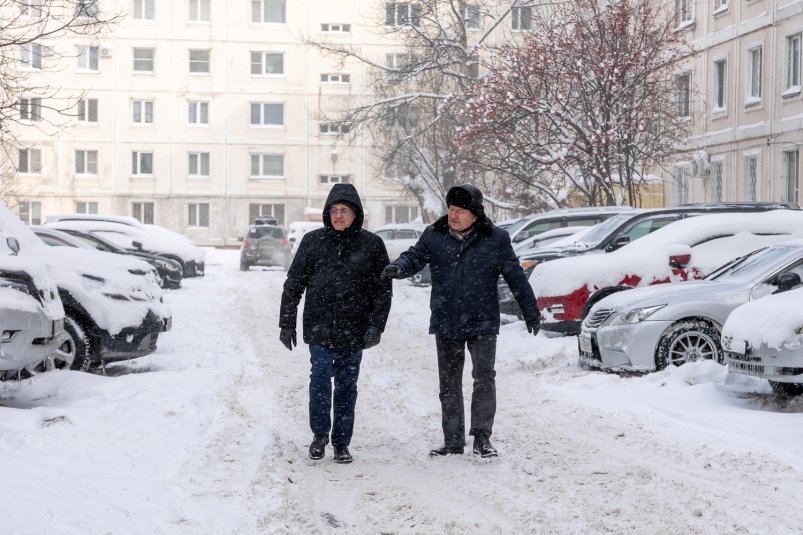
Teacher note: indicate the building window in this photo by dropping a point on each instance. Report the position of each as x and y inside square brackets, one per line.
[88, 9]
[199, 61]
[396, 213]
[88, 110]
[681, 187]
[720, 85]
[750, 182]
[272, 11]
[141, 163]
[684, 94]
[198, 214]
[791, 179]
[683, 12]
[199, 11]
[88, 58]
[337, 78]
[336, 28]
[328, 180]
[716, 181]
[142, 111]
[31, 55]
[402, 14]
[31, 8]
[198, 164]
[521, 19]
[84, 207]
[30, 109]
[792, 84]
[144, 59]
[30, 212]
[143, 212]
[198, 112]
[334, 129]
[144, 9]
[86, 162]
[472, 17]
[267, 114]
[271, 210]
[720, 5]
[267, 63]
[267, 165]
[397, 60]
[404, 116]
[30, 161]
[754, 68]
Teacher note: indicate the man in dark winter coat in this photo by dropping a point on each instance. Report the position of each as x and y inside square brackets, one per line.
[466, 254]
[345, 311]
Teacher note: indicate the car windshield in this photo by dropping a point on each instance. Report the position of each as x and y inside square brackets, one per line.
[261, 232]
[595, 236]
[99, 244]
[752, 265]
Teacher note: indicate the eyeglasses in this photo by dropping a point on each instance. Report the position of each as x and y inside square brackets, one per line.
[340, 211]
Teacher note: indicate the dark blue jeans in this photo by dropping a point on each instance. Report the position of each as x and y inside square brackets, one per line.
[344, 366]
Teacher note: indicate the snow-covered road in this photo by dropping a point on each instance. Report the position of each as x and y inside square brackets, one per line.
[209, 436]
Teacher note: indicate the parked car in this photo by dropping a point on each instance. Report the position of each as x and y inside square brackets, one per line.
[618, 231]
[31, 315]
[567, 288]
[764, 338]
[534, 224]
[296, 231]
[169, 272]
[649, 328]
[399, 237]
[550, 238]
[125, 231]
[265, 245]
[111, 314]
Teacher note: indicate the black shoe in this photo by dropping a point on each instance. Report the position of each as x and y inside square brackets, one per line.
[483, 447]
[443, 451]
[318, 447]
[342, 455]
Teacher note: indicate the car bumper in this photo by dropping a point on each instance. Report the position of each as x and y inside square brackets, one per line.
[784, 366]
[193, 268]
[628, 347]
[27, 338]
[133, 342]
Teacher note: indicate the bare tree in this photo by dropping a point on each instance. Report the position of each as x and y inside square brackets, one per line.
[28, 30]
[411, 117]
[586, 105]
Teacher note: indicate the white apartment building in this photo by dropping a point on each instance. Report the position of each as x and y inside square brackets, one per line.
[743, 92]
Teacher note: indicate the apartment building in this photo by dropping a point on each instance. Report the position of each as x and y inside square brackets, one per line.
[743, 93]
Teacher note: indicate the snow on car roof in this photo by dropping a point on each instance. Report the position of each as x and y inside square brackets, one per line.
[649, 256]
[771, 320]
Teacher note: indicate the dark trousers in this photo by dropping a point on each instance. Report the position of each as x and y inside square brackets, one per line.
[344, 366]
[451, 357]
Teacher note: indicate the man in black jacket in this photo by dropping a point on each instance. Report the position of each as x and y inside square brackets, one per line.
[345, 311]
[467, 254]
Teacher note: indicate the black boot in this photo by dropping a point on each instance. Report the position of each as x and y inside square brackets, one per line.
[318, 447]
[342, 455]
[483, 447]
[443, 451]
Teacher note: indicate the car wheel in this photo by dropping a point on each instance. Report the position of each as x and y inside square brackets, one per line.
[786, 389]
[599, 295]
[74, 351]
[689, 341]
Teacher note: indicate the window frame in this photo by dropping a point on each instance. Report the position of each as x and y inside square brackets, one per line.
[401, 14]
[138, 159]
[84, 111]
[89, 207]
[143, 61]
[343, 28]
[793, 64]
[263, 109]
[264, 64]
[264, 8]
[146, 107]
[751, 174]
[196, 212]
[140, 211]
[790, 194]
[197, 112]
[720, 86]
[197, 11]
[32, 56]
[87, 164]
[753, 80]
[330, 180]
[30, 212]
[262, 167]
[336, 78]
[33, 161]
[684, 92]
[91, 55]
[196, 62]
[141, 10]
[199, 165]
[30, 109]
[518, 21]
[334, 128]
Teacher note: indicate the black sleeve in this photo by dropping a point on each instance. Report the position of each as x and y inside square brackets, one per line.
[518, 283]
[416, 257]
[297, 280]
[382, 288]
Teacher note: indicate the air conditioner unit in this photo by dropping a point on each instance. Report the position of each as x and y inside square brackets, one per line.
[105, 51]
[701, 165]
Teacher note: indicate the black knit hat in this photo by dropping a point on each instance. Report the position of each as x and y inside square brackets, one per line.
[467, 197]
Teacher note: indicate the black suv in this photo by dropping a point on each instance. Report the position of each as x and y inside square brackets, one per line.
[265, 245]
[619, 230]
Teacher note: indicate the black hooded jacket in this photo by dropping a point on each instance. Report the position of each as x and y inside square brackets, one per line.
[464, 300]
[340, 272]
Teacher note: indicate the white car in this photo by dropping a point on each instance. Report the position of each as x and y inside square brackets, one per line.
[399, 237]
[764, 338]
[649, 328]
[552, 238]
[296, 231]
[130, 234]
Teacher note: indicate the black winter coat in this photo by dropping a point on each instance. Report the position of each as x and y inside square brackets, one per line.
[464, 300]
[340, 272]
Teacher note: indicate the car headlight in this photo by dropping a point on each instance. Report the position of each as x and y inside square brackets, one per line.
[635, 315]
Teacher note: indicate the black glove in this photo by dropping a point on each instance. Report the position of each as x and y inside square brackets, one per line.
[533, 326]
[391, 271]
[288, 337]
[371, 337]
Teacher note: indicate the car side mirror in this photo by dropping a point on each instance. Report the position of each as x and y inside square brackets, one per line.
[519, 238]
[618, 243]
[787, 281]
[13, 244]
[137, 245]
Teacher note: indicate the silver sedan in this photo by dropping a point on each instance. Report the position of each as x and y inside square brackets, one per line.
[649, 328]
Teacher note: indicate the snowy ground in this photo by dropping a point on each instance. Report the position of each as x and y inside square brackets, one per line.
[209, 436]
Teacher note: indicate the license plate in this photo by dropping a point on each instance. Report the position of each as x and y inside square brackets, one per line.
[734, 346]
[585, 342]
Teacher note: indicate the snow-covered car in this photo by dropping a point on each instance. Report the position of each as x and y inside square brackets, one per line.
[566, 288]
[399, 237]
[534, 224]
[130, 234]
[111, 314]
[550, 238]
[265, 245]
[649, 328]
[296, 231]
[31, 315]
[764, 338]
